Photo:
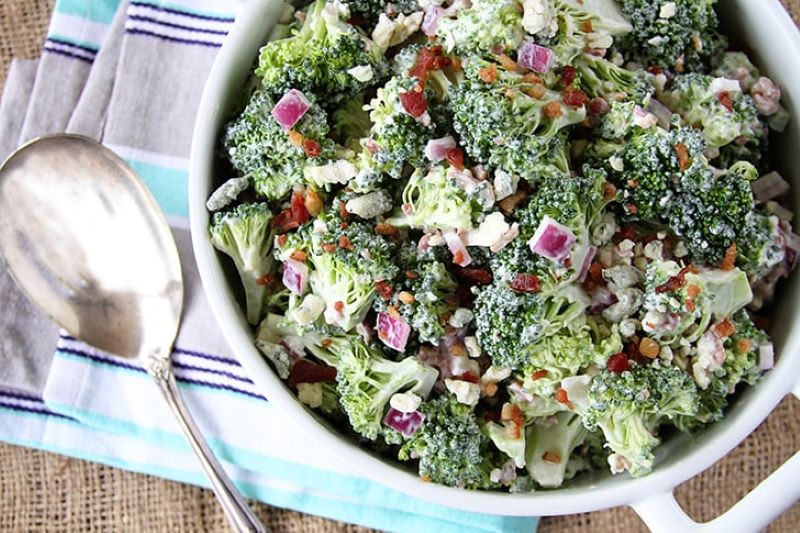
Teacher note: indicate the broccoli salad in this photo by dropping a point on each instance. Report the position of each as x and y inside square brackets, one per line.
[508, 241]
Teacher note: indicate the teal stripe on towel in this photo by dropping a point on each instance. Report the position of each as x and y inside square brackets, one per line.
[169, 186]
[100, 11]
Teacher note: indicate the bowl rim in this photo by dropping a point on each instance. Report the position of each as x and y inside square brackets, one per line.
[231, 64]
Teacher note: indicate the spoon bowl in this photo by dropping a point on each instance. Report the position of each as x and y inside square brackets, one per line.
[86, 242]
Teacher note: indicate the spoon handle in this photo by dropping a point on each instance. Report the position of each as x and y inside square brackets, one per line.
[238, 513]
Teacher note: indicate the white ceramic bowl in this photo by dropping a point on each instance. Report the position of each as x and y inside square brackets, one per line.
[766, 29]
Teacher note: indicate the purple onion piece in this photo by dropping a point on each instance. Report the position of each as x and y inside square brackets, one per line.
[405, 423]
[290, 109]
[295, 276]
[393, 331]
[552, 240]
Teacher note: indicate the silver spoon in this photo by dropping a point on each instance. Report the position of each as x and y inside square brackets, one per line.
[86, 242]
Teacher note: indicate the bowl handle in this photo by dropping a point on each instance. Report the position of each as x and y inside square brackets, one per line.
[762, 505]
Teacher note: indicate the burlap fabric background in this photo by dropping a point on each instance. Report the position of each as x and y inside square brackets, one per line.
[46, 492]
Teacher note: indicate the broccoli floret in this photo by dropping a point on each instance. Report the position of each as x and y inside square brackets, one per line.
[346, 263]
[684, 311]
[573, 201]
[758, 244]
[320, 57]
[678, 35]
[245, 235]
[451, 447]
[711, 210]
[510, 325]
[372, 9]
[260, 149]
[367, 380]
[430, 286]
[500, 124]
[400, 138]
[484, 26]
[628, 408]
[600, 77]
[437, 200]
[723, 117]
[350, 121]
[550, 443]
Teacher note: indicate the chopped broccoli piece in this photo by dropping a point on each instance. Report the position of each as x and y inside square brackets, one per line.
[351, 122]
[550, 443]
[260, 149]
[600, 77]
[245, 235]
[318, 57]
[486, 25]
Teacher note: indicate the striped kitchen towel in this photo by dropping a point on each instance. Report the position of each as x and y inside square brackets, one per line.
[130, 74]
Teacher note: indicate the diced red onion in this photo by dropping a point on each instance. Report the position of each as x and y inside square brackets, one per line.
[602, 299]
[644, 119]
[457, 5]
[661, 112]
[769, 186]
[587, 262]
[393, 331]
[724, 85]
[457, 247]
[520, 393]
[766, 356]
[535, 57]
[371, 146]
[405, 423]
[552, 240]
[431, 21]
[436, 149]
[290, 108]
[295, 276]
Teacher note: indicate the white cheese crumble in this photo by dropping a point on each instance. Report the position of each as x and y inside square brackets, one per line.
[667, 10]
[309, 310]
[473, 348]
[461, 317]
[310, 394]
[505, 184]
[538, 16]
[362, 73]
[369, 205]
[338, 172]
[720, 85]
[465, 392]
[405, 402]
[495, 374]
[278, 355]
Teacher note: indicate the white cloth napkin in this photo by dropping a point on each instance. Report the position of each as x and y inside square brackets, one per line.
[130, 74]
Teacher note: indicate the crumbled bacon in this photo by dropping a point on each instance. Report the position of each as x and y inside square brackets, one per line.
[568, 75]
[553, 110]
[455, 156]
[575, 97]
[677, 281]
[384, 289]
[726, 328]
[488, 74]
[311, 148]
[729, 261]
[563, 398]
[539, 374]
[414, 103]
[724, 98]
[683, 156]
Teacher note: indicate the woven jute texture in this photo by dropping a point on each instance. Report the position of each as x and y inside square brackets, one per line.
[46, 492]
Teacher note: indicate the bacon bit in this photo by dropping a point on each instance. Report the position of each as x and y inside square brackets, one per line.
[692, 291]
[299, 210]
[458, 257]
[410, 274]
[512, 413]
[296, 138]
[304, 371]
[282, 238]
[384, 289]
[344, 225]
[387, 230]
[525, 283]
[633, 183]
[441, 62]
[459, 350]
[539, 374]
[598, 106]
[490, 389]
[414, 103]
[531, 78]
[655, 71]
[690, 306]
[537, 91]
[488, 74]
[568, 75]
[649, 348]
[575, 97]
[469, 377]
[726, 328]
[729, 261]
[744, 345]
[326, 343]
[513, 431]
[675, 282]
[329, 247]
[491, 416]
[426, 478]
[725, 99]
[552, 110]
[596, 273]
[627, 233]
[617, 363]
[345, 243]
[266, 280]
[392, 310]
[632, 349]
[510, 203]
[313, 202]
[508, 63]
[284, 221]
[632, 209]
[586, 26]
[455, 156]
[679, 65]
[311, 148]
[563, 398]
[299, 255]
[343, 211]
[683, 156]
[339, 306]
[406, 297]
[479, 276]
[552, 457]
[424, 63]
